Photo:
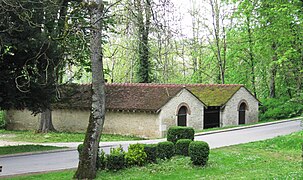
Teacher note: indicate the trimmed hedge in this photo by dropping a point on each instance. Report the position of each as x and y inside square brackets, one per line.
[115, 160]
[135, 155]
[179, 132]
[165, 150]
[101, 161]
[182, 146]
[151, 152]
[198, 152]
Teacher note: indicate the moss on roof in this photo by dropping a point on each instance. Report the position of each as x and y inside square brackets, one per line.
[147, 97]
[214, 95]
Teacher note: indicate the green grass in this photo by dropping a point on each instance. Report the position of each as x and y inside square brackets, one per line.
[25, 148]
[241, 125]
[31, 136]
[278, 158]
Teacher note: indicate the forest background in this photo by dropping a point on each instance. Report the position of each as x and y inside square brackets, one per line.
[258, 43]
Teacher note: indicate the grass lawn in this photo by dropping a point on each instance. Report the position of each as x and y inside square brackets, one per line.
[31, 136]
[278, 158]
[25, 148]
[241, 125]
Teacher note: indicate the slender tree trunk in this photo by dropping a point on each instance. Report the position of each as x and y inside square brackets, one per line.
[251, 56]
[216, 25]
[46, 124]
[273, 72]
[87, 163]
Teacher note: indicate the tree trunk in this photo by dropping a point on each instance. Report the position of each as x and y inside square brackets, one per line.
[46, 123]
[273, 72]
[87, 163]
[144, 25]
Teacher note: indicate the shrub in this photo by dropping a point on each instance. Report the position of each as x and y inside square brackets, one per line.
[80, 148]
[177, 132]
[151, 152]
[135, 155]
[115, 160]
[182, 146]
[165, 150]
[2, 120]
[101, 160]
[198, 152]
[279, 108]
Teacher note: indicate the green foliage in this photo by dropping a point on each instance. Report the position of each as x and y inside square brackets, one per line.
[25, 148]
[151, 152]
[165, 150]
[101, 160]
[279, 108]
[80, 148]
[116, 159]
[198, 152]
[178, 132]
[2, 120]
[135, 155]
[182, 146]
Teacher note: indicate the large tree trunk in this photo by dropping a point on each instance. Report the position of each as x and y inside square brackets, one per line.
[87, 163]
[46, 123]
[143, 32]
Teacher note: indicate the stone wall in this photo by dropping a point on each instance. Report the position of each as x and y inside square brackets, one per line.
[168, 114]
[230, 114]
[125, 123]
[142, 124]
[21, 120]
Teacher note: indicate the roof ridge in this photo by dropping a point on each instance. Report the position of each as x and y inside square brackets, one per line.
[163, 84]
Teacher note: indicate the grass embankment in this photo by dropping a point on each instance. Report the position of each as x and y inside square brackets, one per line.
[241, 125]
[278, 158]
[31, 136]
[25, 148]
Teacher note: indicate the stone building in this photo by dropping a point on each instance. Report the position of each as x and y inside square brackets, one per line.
[148, 110]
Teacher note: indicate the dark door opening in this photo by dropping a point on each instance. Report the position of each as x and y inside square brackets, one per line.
[211, 117]
[182, 113]
[242, 113]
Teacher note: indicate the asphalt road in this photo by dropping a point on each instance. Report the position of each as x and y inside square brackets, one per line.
[15, 165]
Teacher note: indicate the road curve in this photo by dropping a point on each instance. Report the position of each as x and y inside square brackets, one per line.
[24, 164]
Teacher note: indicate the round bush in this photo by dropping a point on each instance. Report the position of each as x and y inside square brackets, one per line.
[179, 132]
[80, 148]
[135, 155]
[115, 160]
[151, 152]
[182, 146]
[165, 150]
[198, 152]
[101, 160]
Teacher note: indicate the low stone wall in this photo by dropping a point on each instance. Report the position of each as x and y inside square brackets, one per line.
[125, 123]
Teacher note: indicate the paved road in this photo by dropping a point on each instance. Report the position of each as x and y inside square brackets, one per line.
[69, 159]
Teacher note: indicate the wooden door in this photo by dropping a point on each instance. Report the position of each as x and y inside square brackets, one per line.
[242, 113]
[211, 117]
[182, 115]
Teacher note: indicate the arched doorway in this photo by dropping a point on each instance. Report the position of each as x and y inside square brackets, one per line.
[182, 115]
[242, 109]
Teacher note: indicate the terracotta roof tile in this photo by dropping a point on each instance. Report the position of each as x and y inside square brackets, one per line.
[142, 96]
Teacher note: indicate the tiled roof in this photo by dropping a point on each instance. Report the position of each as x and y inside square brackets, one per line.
[145, 97]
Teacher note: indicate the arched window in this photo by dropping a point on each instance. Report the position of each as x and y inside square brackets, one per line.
[182, 115]
[242, 110]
